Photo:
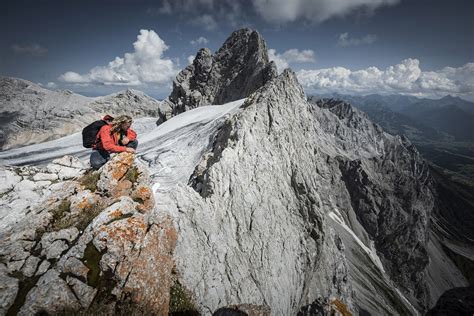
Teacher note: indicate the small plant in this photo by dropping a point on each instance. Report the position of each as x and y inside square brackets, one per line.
[89, 180]
[180, 301]
[61, 211]
[132, 174]
[62, 220]
[87, 216]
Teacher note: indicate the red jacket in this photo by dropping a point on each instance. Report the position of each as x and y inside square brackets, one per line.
[110, 142]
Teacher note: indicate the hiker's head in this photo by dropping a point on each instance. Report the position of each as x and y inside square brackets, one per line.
[121, 123]
[108, 119]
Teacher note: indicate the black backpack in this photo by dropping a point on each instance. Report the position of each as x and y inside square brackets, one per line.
[89, 133]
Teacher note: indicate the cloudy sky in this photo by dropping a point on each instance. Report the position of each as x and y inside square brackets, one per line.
[417, 47]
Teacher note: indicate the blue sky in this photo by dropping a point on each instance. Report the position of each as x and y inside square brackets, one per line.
[353, 46]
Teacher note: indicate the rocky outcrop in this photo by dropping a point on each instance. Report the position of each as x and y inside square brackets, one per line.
[256, 215]
[88, 245]
[309, 200]
[236, 70]
[31, 114]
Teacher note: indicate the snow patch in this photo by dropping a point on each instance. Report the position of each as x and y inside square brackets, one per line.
[370, 251]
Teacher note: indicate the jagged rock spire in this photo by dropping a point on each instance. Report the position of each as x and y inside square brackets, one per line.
[237, 69]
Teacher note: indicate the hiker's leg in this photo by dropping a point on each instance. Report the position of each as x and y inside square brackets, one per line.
[133, 144]
[99, 158]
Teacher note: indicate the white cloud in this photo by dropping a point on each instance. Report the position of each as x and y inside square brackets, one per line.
[145, 65]
[281, 11]
[191, 59]
[345, 40]
[200, 41]
[293, 55]
[280, 62]
[404, 78]
[51, 85]
[31, 49]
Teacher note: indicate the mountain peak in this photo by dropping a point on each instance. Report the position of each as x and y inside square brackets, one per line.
[237, 69]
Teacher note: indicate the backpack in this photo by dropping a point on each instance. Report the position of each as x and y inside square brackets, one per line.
[89, 133]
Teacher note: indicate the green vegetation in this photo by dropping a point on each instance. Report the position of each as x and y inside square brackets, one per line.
[89, 180]
[63, 209]
[180, 301]
[132, 174]
[87, 216]
[62, 217]
[91, 260]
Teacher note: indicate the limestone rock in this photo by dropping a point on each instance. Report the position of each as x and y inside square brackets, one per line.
[67, 167]
[237, 69]
[8, 180]
[75, 237]
[51, 294]
[43, 267]
[8, 290]
[41, 176]
[85, 293]
[29, 268]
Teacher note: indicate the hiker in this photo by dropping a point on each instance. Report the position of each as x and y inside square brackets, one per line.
[113, 137]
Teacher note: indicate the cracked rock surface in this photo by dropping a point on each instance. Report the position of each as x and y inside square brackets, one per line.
[85, 246]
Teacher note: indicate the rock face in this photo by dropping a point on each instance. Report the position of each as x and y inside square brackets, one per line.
[255, 222]
[30, 114]
[88, 245]
[236, 70]
[312, 200]
[395, 208]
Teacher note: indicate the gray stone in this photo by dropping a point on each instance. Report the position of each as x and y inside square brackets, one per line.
[55, 249]
[68, 234]
[25, 185]
[237, 69]
[8, 290]
[50, 294]
[15, 265]
[8, 180]
[84, 292]
[74, 266]
[43, 267]
[29, 268]
[41, 176]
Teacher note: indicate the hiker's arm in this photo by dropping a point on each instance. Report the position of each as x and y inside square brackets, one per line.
[131, 134]
[108, 143]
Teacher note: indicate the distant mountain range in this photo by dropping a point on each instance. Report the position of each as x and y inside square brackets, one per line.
[446, 119]
[442, 129]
